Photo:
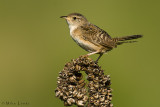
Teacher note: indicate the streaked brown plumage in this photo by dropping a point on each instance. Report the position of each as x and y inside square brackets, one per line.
[92, 38]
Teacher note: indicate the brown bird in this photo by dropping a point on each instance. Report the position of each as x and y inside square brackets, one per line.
[92, 38]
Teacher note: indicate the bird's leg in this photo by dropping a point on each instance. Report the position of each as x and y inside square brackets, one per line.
[92, 53]
[96, 53]
[99, 57]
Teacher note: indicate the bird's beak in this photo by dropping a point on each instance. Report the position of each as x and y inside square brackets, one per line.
[63, 17]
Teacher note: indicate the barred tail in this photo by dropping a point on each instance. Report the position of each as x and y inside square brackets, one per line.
[121, 40]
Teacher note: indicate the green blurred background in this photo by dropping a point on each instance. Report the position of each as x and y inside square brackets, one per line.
[35, 44]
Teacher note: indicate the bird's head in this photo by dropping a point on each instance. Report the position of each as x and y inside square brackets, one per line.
[75, 19]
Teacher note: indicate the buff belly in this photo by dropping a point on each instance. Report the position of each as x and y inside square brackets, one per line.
[86, 45]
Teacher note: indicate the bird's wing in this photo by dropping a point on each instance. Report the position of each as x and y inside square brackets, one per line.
[97, 36]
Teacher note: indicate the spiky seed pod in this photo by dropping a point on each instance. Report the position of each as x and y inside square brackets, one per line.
[80, 95]
[80, 103]
[96, 95]
[78, 68]
[75, 92]
[70, 101]
[71, 86]
[85, 98]
[73, 79]
[65, 97]
[101, 98]
[81, 85]
[96, 102]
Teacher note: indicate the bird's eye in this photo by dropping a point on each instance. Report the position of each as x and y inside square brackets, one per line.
[74, 18]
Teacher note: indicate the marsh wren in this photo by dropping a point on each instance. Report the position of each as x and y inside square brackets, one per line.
[92, 38]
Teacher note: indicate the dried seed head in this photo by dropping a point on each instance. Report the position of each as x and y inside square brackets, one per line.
[79, 76]
[92, 99]
[81, 85]
[80, 95]
[106, 102]
[57, 93]
[101, 98]
[71, 86]
[96, 85]
[90, 77]
[78, 68]
[83, 90]
[96, 96]
[81, 81]
[96, 102]
[85, 98]
[75, 92]
[70, 101]
[73, 79]
[64, 97]
[80, 103]
[111, 105]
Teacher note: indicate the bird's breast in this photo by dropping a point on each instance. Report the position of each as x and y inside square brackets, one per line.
[77, 36]
[86, 45]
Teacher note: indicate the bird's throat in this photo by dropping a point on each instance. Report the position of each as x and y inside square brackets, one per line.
[72, 28]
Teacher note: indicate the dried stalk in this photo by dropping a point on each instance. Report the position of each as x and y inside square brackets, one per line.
[71, 87]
